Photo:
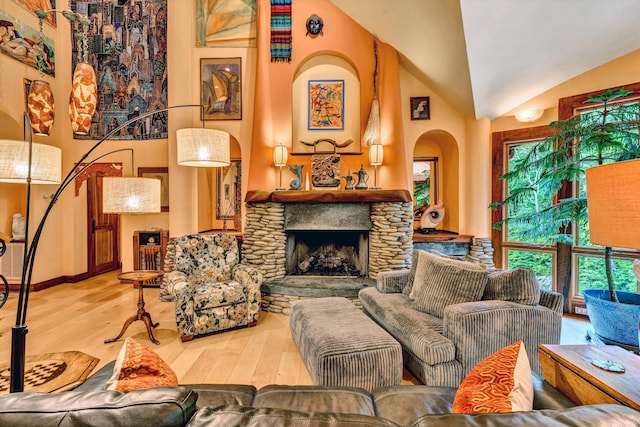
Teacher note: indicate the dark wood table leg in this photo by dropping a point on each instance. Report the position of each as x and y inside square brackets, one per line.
[140, 315]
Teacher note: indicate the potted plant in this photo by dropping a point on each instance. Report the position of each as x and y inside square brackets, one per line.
[608, 133]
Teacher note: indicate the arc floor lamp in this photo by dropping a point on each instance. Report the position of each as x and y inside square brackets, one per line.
[196, 147]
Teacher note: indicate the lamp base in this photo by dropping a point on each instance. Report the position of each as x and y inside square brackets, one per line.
[18, 341]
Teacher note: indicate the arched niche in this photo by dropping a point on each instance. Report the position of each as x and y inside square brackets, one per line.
[220, 194]
[328, 68]
[441, 145]
[13, 197]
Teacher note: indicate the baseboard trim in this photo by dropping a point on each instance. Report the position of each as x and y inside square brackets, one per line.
[40, 286]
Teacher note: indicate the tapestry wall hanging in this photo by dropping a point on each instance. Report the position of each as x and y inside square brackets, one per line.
[221, 88]
[21, 42]
[228, 23]
[128, 50]
[44, 5]
[326, 104]
[280, 30]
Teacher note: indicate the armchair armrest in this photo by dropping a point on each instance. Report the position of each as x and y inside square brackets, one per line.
[248, 276]
[480, 328]
[389, 282]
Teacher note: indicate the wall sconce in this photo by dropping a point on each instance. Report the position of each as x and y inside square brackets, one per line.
[376, 154]
[529, 114]
[280, 155]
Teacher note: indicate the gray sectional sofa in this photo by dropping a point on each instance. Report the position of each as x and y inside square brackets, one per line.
[441, 350]
[279, 405]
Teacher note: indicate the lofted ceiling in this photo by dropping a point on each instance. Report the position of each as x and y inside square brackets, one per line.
[486, 57]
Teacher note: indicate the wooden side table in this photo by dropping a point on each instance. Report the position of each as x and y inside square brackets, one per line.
[568, 368]
[139, 278]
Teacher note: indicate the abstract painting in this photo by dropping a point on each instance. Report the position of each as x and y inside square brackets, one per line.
[22, 42]
[128, 50]
[221, 88]
[326, 104]
[226, 23]
[43, 5]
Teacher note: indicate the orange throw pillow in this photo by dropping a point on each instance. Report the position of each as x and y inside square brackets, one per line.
[137, 366]
[500, 383]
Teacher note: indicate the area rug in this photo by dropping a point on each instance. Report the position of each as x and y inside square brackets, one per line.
[51, 372]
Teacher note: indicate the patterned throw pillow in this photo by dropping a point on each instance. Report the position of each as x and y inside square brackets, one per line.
[500, 383]
[137, 366]
[440, 282]
[519, 285]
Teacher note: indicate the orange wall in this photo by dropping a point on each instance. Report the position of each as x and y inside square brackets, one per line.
[273, 103]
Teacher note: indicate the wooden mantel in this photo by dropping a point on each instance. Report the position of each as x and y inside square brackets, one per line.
[328, 196]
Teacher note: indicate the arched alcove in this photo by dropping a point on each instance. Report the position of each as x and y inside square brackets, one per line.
[335, 71]
[220, 193]
[443, 146]
[13, 197]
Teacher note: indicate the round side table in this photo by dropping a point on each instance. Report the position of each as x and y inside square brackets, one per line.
[139, 278]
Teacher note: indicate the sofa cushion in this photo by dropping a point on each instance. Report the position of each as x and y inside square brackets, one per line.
[500, 383]
[346, 400]
[601, 415]
[404, 404]
[207, 296]
[137, 366]
[441, 282]
[159, 406]
[518, 285]
[276, 417]
[222, 394]
[406, 289]
[418, 332]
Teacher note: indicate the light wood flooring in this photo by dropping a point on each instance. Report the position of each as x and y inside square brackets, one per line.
[80, 316]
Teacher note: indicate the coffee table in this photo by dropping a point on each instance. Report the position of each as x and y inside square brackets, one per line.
[139, 278]
[568, 368]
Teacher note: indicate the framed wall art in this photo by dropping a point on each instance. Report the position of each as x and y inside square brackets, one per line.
[221, 88]
[326, 104]
[163, 175]
[44, 5]
[420, 108]
[228, 192]
[226, 23]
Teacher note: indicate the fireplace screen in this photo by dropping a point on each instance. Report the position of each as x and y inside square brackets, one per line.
[327, 253]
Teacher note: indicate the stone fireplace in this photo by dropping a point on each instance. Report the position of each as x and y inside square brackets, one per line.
[327, 239]
[334, 235]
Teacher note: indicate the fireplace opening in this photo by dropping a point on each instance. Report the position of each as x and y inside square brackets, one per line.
[327, 253]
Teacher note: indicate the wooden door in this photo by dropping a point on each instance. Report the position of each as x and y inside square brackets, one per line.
[102, 233]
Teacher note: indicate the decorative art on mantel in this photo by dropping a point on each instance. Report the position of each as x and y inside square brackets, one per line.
[228, 23]
[21, 42]
[221, 88]
[128, 50]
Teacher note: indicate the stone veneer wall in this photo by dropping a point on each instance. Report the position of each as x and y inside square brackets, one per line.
[390, 238]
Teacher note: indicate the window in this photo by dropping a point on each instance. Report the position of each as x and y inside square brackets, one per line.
[563, 268]
[425, 183]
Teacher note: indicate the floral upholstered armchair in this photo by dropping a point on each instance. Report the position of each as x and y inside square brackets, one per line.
[212, 291]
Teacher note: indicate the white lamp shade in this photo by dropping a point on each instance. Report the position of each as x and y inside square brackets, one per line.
[46, 162]
[203, 147]
[130, 195]
[613, 197]
[376, 154]
[280, 155]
